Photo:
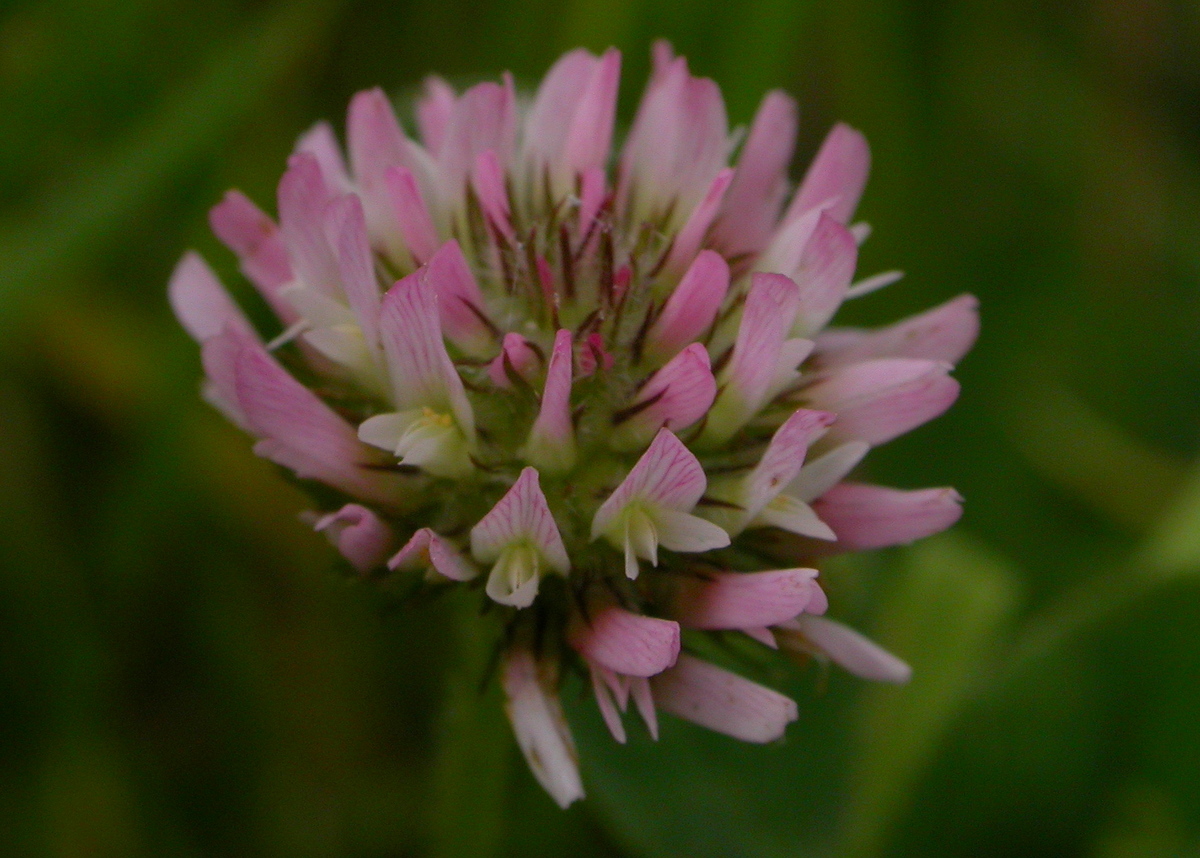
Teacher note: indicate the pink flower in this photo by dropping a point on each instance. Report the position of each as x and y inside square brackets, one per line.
[541, 381]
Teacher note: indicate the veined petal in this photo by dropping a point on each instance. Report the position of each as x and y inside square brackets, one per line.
[412, 213]
[878, 400]
[200, 302]
[844, 647]
[692, 307]
[359, 535]
[722, 701]
[784, 456]
[421, 371]
[738, 600]
[347, 227]
[666, 475]
[754, 199]
[945, 334]
[536, 714]
[838, 172]
[303, 196]
[427, 550]
[521, 516]
[246, 230]
[865, 516]
[624, 642]
[691, 235]
[768, 315]
[518, 355]
[551, 443]
[461, 307]
[675, 397]
[824, 274]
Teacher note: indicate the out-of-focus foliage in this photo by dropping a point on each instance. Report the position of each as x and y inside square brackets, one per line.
[183, 670]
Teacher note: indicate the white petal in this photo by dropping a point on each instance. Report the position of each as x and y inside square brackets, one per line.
[787, 513]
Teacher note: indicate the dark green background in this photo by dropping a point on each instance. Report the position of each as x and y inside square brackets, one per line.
[183, 671]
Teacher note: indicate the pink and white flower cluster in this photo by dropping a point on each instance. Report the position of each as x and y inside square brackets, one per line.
[601, 390]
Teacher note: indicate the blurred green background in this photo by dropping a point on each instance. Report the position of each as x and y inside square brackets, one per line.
[184, 672]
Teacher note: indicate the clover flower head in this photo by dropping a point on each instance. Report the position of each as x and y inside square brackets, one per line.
[599, 391]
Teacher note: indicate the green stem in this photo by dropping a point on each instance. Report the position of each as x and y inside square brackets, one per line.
[474, 748]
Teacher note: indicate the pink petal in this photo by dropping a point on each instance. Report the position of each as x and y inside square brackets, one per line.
[823, 275]
[569, 127]
[427, 550]
[838, 172]
[377, 145]
[945, 333]
[412, 213]
[768, 315]
[783, 459]
[359, 534]
[692, 307]
[434, 110]
[878, 400]
[607, 706]
[719, 700]
[518, 354]
[676, 146]
[347, 227]
[643, 699]
[484, 118]
[593, 189]
[461, 307]
[666, 474]
[761, 634]
[679, 394]
[551, 443]
[755, 197]
[303, 196]
[254, 237]
[844, 647]
[826, 471]
[420, 369]
[740, 600]
[536, 714]
[865, 516]
[590, 134]
[200, 302]
[487, 180]
[688, 240]
[299, 431]
[624, 642]
[522, 514]
[321, 143]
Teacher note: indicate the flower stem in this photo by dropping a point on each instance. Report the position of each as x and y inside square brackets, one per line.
[474, 748]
